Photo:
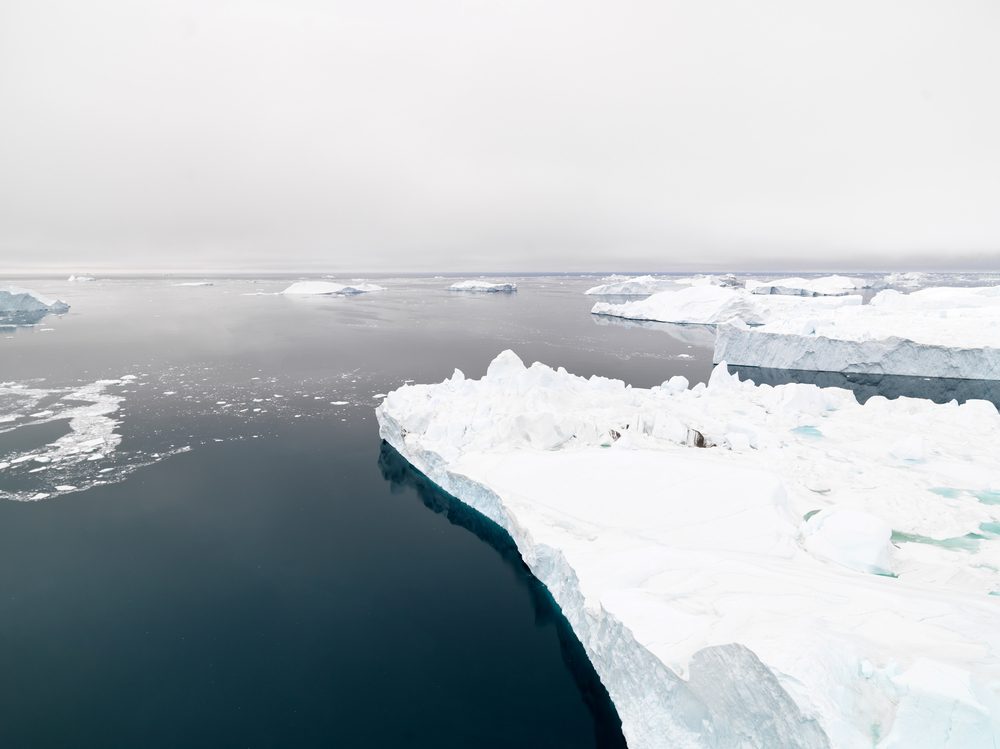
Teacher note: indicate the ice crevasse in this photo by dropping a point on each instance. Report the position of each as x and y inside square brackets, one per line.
[746, 566]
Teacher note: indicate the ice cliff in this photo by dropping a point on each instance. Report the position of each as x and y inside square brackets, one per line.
[745, 566]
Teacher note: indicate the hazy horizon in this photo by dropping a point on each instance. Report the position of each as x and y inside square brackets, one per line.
[386, 136]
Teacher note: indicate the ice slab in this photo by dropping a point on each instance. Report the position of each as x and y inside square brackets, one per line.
[725, 553]
[934, 332]
[796, 286]
[711, 305]
[485, 286]
[327, 288]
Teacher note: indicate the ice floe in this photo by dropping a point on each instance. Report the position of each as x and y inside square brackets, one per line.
[796, 286]
[819, 575]
[933, 332]
[711, 305]
[327, 288]
[484, 286]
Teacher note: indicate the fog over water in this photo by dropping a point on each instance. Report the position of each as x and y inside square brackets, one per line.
[449, 135]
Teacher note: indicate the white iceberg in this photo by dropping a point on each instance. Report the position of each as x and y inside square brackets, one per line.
[824, 286]
[25, 306]
[633, 286]
[796, 584]
[195, 283]
[934, 332]
[484, 286]
[327, 288]
[711, 305]
[728, 280]
[910, 279]
[80, 279]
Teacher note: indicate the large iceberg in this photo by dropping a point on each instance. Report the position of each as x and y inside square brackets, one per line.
[23, 306]
[824, 286]
[483, 286]
[819, 575]
[327, 288]
[711, 305]
[934, 332]
[633, 286]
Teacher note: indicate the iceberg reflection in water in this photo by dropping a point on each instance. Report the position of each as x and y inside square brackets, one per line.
[402, 477]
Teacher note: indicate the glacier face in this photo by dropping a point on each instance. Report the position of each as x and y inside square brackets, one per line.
[754, 593]
[934, 332]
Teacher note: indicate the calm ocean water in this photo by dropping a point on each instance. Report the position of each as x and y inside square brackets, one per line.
[250, 566]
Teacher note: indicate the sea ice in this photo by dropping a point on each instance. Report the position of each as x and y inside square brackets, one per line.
[746, 566]
[711, 305]
[486, 286]
[934, 332]
[824, 286]
[309, 288]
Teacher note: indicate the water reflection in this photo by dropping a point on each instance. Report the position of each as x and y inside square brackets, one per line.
[865, 385]
[403, 477]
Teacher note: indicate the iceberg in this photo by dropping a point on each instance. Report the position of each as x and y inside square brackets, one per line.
[327, 288]
[824, 286]
[485, 286]
[711, 305]
[26, 307]
[728, 280]
[195, 283]
[80, 279]
[634, 286]
[934, 332]
[745, 566]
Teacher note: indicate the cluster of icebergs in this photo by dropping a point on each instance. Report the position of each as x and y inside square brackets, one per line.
[823, 574]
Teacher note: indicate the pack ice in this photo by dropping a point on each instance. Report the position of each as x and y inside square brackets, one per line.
[487, 286]
[933, 332]
[746, 566]
[328, 288]
[711, 305]
[824, 286]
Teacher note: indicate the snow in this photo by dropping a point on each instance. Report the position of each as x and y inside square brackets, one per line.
[486, 286]
[934, 332]
[796, 286]
[633, 286]
[310, 288]
[711, 305]
[15, 301]
[749, 593]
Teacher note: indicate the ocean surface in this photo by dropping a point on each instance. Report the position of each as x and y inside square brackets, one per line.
[203, 541]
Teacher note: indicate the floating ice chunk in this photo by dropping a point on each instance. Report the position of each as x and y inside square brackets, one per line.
[825, 286]
[326, 288]
[484, 286]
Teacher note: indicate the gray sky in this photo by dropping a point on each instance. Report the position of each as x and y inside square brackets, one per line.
[502, 135]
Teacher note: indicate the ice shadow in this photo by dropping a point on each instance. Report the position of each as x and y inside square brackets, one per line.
[401, 476]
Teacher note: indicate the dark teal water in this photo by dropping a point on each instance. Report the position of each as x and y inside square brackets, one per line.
[287, 581]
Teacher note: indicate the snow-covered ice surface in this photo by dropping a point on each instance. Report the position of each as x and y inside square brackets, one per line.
[711, 305]
[327, 288]
[485, 286]
[933, 332]
[796, 286]
[633, 286]
[823, 574]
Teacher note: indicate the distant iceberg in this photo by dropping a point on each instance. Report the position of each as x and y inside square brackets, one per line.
[485, 286]
[934, 332]
[728, 280]
[819, 574]
[80, 279]
[824, 286]
[634, 286]
[195, 283]
[25, 307]
[711, 305]
[327, 288]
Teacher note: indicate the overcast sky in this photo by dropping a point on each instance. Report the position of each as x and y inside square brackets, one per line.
[502, 135]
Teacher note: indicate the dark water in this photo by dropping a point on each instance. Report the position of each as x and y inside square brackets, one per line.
[288, 581]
